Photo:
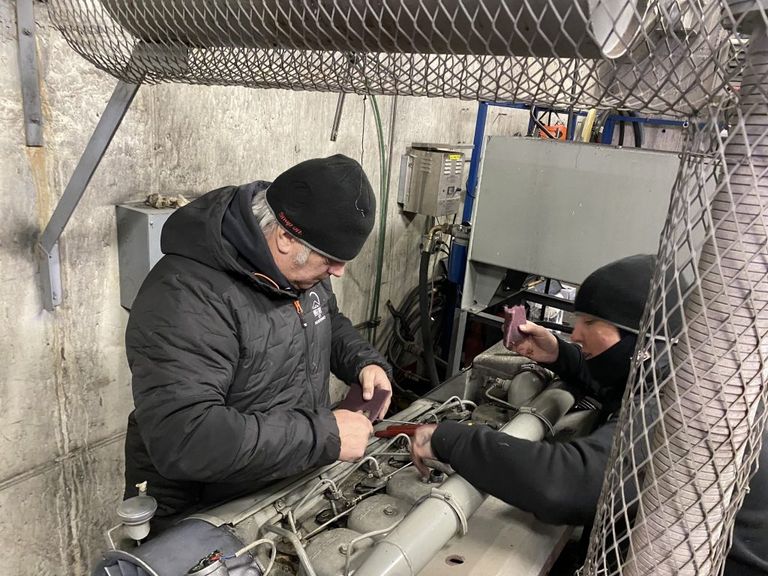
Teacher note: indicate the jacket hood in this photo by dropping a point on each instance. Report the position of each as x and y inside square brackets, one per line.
[219, 230]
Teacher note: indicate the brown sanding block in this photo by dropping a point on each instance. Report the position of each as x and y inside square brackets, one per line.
[354, 402]
[514, 317]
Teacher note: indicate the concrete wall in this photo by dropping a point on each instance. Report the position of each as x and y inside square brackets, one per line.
[64, 383]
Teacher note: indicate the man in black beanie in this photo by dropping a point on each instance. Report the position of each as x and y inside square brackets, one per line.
[560, 482]
[234, 333]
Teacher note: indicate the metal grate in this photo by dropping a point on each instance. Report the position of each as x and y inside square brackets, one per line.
[664, 57]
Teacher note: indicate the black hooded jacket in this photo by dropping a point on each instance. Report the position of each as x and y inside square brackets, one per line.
[560, 482]
[230, 364]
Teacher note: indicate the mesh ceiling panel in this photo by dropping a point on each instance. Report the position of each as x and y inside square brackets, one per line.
[666, 57]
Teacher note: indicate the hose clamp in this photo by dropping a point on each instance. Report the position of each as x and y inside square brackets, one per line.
[540, 416]
[448, 499]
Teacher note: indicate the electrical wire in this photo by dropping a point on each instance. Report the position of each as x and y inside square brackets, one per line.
[252, 545]
[402, 327]
[541, 125]
[424, 305]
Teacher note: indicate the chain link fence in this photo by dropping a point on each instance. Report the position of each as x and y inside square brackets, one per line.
[694, 413]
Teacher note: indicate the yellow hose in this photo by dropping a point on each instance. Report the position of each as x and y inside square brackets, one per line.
[589, 121]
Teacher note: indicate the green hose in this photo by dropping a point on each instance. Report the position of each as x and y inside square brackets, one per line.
[382, 235]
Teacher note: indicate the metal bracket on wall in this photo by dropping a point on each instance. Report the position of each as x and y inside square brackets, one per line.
[30, 81]
[48, 246]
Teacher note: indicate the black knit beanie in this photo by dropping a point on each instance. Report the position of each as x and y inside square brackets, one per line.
[327, 203]
[617, 292]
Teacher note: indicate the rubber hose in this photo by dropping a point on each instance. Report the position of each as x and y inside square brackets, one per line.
[637, 130]
[426, 321]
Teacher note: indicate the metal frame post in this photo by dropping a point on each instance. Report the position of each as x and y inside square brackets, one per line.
[458, 322]
[30, 80]
[48, 245]
[474, 162]
[607, 135]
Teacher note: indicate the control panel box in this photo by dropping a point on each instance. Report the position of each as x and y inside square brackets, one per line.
[432, 179]
[138, 245]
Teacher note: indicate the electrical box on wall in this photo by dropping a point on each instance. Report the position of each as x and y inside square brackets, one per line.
[138, 245]
[432, 179]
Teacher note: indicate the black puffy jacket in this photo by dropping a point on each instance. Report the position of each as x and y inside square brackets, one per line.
[230, 365]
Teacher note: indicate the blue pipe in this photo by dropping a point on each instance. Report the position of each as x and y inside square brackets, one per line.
[610, 124]
[474, 163]
[458, 257]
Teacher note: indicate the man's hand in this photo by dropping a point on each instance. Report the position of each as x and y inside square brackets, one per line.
[354, 432]
[421, 447]
[538, 344]
[374, 377]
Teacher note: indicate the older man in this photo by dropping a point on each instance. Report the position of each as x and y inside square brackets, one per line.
[234, 333]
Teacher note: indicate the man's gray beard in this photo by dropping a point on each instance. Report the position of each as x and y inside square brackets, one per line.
[301, 258]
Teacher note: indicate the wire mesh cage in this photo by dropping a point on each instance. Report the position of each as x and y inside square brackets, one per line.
[694, 419]
[668, 57]
[691, 428]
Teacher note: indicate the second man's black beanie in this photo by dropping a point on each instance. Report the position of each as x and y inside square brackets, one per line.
[617, 292]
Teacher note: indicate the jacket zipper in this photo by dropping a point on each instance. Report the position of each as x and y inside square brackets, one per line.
[300, 312]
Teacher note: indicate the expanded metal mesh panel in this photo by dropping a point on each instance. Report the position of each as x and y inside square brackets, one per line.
[667, 57]
[692, 426]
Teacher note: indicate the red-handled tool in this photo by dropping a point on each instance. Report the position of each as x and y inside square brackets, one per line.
[392, 431]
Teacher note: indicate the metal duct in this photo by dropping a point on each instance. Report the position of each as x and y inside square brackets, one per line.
[564, 28]
[710, 416]
[408, 548]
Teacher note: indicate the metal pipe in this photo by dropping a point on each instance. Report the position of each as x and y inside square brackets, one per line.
[351, 545]
[524, 387]
[300, 551]
[261, 509]
[337, 117]
[605, 29]
[435, 521]
[355, 501]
